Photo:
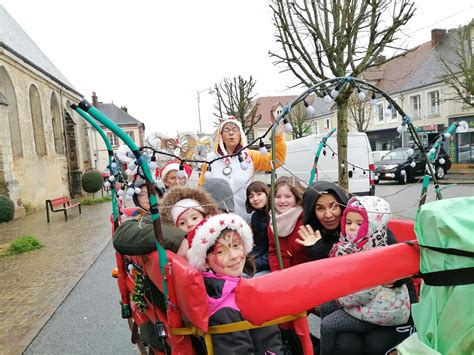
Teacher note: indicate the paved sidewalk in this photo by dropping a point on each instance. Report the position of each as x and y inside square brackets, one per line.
[34, 284]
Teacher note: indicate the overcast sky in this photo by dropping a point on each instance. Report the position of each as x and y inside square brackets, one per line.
[153, 56]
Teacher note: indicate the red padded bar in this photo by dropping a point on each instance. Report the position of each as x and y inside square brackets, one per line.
[307, 285]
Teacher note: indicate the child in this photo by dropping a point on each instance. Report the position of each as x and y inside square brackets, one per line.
[289, 217]
[257, 202]
[186, 208]
[220, 251]
[363, 227]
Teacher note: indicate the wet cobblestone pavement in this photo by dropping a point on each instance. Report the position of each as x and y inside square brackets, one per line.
[33, 284]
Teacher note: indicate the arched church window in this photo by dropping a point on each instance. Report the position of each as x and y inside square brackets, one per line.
[56, 121]
[6, 87]
[37, 117]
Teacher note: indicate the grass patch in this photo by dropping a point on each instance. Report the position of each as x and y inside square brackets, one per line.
[20, 245]
[93, 201]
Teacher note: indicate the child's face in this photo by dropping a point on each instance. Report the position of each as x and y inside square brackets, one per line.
[142, 198]
[258, 200]
[182, 180]
[228, 255]
[284, 199]
[353, 222]
[189, 219]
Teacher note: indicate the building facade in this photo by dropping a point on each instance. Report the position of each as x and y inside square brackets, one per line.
[119, 115]
[44, 145]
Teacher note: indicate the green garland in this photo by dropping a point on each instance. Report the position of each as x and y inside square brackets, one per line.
[139, 291]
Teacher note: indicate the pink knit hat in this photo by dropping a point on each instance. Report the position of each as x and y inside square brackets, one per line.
[354, 205]
[207, 234]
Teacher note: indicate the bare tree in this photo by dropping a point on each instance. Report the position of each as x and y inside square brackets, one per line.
[321, 39]
[297, 118]
[235, 98]
[359, 113]
[460, 69]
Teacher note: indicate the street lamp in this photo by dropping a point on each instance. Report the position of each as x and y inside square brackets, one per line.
[199, 92]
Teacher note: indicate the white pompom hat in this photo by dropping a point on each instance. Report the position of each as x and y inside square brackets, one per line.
[207, 234]
[184, 205]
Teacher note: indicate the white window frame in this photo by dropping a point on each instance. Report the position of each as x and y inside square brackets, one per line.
[315, 128]
[113, 139]
[379, 117]
[393, 116]
[433, 105]
[327, 123]
[415, 111]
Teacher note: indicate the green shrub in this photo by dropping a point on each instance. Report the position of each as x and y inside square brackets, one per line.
[92, 181]
[24, 244]
[7, 209]
[93, 201]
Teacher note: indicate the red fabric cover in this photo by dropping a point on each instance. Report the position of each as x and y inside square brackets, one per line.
[188, 284]
[305, 286]
[403, 229]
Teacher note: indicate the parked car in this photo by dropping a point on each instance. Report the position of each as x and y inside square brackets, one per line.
[396, 165]
[378, 155]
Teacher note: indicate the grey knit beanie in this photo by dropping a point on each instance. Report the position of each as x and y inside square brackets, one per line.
[221, 193]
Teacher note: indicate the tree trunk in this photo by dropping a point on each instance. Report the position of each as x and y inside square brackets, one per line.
[342, 117]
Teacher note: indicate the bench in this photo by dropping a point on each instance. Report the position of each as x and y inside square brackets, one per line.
[63, 201]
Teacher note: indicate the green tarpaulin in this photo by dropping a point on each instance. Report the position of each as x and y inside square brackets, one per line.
[444, 317]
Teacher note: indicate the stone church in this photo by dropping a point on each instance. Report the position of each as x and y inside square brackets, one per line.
[44, 145]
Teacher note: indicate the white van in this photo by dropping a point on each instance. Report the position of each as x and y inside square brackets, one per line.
[300, 157]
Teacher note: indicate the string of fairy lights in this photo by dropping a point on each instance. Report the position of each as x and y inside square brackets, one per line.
[328, 90]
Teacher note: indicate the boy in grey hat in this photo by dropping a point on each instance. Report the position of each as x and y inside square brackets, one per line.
[221, 193]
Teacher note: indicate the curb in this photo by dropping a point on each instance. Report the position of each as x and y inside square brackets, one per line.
[459, 182]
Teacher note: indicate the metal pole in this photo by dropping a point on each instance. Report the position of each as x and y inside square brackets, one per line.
[199, 112]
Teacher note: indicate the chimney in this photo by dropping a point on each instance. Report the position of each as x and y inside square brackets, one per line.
[95, 99]
[437, 35]
[380, 59]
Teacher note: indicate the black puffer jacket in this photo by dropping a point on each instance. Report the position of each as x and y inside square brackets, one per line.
[259, 224]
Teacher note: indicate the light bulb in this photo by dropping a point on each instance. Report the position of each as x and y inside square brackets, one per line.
[243, 163]
[107, 185]
[361, 95]
[130, 191]
[403, 172]
[181, 172]
[373, 100]
[113, 165]
[310, 110]
[388, 111]
[153, 165]
[432, 151]
[120, 192]
[327, 99]
[400, 129]
[410, 152]
[376, 177]
[111, 178]
[262, 149]
[207, 175]
[137, 190]
[412, 164]
[334, 93]
[442, 161]
[287, 126]
[447, 135]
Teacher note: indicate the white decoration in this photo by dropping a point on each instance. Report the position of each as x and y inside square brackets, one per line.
[442, 161]
[412, 164]
[410, 152]
[361, 95]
